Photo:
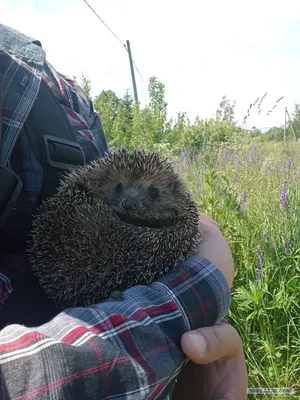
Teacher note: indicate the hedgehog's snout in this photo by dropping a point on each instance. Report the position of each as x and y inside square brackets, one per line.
[129, 200]
[130, 204]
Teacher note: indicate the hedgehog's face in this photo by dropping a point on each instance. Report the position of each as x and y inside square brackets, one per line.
[151, 199]
[140, 187]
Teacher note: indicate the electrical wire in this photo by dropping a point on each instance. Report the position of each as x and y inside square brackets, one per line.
[119, 40]
[139, 73]
[105, 24]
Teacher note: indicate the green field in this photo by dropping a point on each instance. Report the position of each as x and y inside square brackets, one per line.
[249, 183]
[254, 195]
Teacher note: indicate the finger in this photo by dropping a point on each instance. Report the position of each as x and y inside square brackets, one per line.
[206, 345]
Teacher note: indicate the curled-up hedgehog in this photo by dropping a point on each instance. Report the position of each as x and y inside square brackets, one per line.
[120, 221]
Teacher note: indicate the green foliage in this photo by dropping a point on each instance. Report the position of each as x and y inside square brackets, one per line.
[85, 83]
[274, 134]
[108, 105]
[296, 119]
[277, 133]
[259, 215]
[226, 110]
[252, 193]
[129, 125]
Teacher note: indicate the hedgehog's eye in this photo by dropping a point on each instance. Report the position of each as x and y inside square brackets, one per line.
[153, 192]
[119, 188]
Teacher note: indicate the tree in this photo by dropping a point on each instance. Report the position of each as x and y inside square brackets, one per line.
[255, 132]
[158, 107]
[85, 84]
[296, 120]
[226, 110]
[122, 125]
[275, 133]
[107, 104]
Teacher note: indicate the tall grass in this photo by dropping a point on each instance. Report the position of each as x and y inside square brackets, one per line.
[254, 194]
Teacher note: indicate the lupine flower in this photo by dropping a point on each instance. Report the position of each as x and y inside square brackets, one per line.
[260, 259]
[244, 198]
[259, 263]
[286, 246]
[284, 195]
[258, 273]
[289, 162]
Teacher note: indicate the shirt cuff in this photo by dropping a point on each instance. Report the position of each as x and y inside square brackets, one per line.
[199, 292]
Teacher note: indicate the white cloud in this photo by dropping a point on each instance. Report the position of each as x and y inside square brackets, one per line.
[200, 50]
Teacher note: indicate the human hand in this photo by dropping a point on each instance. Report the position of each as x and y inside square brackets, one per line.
[217, 370]
[214, 247]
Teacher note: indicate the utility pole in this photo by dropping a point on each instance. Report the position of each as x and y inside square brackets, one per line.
[132, 72]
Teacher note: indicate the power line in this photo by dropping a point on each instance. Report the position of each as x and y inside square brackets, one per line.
[119, 40]
[105, 24]
[139, 73]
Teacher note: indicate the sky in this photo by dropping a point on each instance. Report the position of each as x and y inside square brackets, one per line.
[200, 50]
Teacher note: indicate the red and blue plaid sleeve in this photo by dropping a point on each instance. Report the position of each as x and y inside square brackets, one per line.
[121, 350]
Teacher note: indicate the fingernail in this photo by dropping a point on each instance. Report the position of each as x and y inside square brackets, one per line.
[197, 342]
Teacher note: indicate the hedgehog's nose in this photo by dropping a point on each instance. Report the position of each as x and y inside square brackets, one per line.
[129, 204]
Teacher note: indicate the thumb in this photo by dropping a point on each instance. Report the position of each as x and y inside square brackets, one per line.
[206, 345]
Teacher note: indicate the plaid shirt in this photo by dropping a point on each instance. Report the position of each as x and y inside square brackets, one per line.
[113, 350]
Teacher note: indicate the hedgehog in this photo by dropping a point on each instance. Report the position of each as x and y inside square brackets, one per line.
[120, 221]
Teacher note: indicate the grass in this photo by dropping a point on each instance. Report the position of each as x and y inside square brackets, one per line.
[253, 193]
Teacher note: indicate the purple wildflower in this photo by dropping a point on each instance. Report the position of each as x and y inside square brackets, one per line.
[284, 195]
[242, 201]
[289, 162]
[258, 273]
[260, 259]
[258, 262]
[244, 198]
[286, 246]
[262, 255]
